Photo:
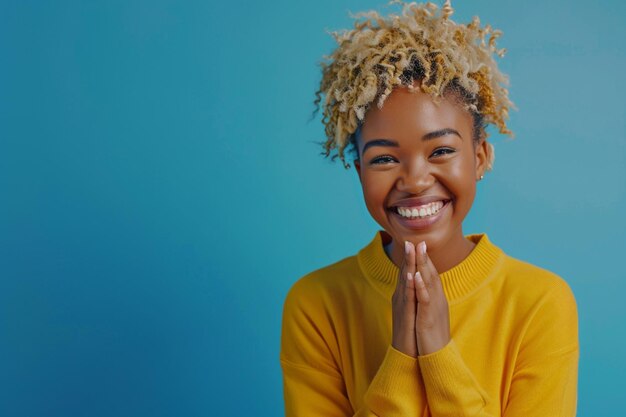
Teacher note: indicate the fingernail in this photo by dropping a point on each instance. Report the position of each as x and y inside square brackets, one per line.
[409, 276]
[407, 248]
[423, 247]
[418, 276]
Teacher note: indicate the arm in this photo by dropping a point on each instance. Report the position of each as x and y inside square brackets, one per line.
[545, 379]
[312, 377]
[394, 391]
[313, 383]
[544, 382]
[451, 388]
[545, 386]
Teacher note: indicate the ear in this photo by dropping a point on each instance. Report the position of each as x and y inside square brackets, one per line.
[357, 166]
[483, 155]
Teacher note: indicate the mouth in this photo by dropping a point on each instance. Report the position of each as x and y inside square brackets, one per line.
[420, 217]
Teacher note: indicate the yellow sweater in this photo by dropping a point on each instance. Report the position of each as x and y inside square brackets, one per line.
[514, 348]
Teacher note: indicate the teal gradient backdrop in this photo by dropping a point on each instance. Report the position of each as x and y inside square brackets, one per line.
[161, 190]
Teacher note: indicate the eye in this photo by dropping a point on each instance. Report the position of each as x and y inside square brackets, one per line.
[447, 151]
[381, 160]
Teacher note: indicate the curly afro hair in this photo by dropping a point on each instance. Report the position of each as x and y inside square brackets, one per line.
[421, 45]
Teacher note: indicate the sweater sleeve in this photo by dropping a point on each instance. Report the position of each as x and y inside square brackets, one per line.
[313, 384]
[392, 393]
[545, 379]
[545, 376]
[451, 388]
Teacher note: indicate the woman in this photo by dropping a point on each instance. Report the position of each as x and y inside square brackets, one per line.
[424, 321]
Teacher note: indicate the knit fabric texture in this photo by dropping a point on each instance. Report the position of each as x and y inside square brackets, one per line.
[513, 352]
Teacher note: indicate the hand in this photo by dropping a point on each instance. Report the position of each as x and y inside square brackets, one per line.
[432, 323]
[404, 305]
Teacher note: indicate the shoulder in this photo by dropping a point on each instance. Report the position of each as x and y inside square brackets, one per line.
[544, 306]
[537, 289]
[316, 287]
[310, 312]
[533, 278]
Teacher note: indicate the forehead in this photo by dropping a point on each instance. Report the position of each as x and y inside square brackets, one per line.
[411, 113]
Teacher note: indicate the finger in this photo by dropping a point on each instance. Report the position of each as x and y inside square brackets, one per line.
[435, 279]
[405, 290]
[409, 270]
[409, 258]
[410, 285]
[422, 264]
[421, 292]
[404, 304]
[403, 277]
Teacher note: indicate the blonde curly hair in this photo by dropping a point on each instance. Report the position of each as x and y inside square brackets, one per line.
[424, 45]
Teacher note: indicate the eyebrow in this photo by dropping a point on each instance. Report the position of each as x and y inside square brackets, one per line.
[428, 136]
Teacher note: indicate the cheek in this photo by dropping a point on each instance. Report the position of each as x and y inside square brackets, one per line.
[462, 180]
[462, 184]
[375, 190]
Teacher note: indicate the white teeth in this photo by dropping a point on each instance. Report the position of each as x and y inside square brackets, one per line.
[421, 212]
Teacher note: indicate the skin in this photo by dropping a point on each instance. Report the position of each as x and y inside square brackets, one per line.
[447, 166]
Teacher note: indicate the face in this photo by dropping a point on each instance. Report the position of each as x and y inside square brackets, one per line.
[426, 155]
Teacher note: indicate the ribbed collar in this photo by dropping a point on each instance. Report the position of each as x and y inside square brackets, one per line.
[458, 282]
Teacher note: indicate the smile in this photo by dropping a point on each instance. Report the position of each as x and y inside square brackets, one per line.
[420, 217]
[421, 212]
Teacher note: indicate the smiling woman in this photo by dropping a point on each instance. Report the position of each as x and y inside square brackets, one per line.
[424, 320]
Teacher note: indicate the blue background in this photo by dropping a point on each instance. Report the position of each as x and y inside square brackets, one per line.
[161, 190]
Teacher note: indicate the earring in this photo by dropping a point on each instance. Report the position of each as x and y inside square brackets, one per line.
[481, 177]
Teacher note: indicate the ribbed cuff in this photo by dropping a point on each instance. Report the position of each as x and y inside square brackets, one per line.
[398, 377]
[398, 373]
[449, 381]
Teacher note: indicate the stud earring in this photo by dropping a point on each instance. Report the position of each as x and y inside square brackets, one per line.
[481, 177]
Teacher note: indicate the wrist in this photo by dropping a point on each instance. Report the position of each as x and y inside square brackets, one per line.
[405, 348]
[428, 345]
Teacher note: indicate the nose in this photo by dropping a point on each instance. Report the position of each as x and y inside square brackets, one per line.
[415, 178]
